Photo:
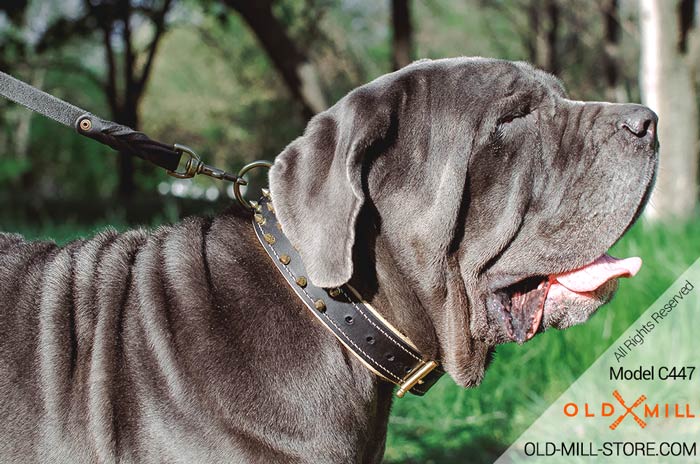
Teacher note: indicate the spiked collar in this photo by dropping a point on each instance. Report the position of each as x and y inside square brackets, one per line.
[381, 348]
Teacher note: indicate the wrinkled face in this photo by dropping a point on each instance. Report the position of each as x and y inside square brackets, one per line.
[583, 172]
[491, 202]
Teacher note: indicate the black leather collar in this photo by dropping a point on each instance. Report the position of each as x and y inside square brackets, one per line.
[383, 349]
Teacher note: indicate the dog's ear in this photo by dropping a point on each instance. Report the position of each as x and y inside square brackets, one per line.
[316, 183]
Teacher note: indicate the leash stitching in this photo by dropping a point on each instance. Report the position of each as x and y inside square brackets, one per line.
[328, 318]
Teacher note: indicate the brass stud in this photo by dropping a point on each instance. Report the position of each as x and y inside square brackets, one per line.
[259, 219]
[279, 226]
[301, 281]
[320, 305]
[270, 208]
[269, 238]
[85, 124]
[266, 193]
[334, 292]
[285, 259]
[256, 206]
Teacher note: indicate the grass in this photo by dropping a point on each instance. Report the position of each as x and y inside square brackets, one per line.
[455, 425]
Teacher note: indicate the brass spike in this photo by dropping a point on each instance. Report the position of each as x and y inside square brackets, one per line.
[255, 205]
[266, 193]
[269, 238]
[301, 281]
[285, 259]
[334, 292]
[279, 226]
[320, 305]
[259, 219]
[270, 208]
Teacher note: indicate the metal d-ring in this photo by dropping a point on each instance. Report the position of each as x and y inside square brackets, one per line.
[240, 181]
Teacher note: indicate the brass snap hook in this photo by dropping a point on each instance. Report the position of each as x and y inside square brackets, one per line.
[240, 181]
[193, 165]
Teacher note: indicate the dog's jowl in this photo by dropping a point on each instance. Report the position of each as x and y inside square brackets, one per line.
[470, 202]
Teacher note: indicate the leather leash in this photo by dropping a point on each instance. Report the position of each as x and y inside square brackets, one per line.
[116, 136]
[380, 347]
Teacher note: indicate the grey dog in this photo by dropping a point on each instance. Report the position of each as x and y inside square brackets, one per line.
[447, 193]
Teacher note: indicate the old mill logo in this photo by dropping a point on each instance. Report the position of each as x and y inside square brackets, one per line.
[640, 410]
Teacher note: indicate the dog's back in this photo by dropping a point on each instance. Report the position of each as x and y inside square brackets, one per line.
[177, 345]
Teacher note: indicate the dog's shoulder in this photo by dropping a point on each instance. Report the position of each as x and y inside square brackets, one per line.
[17, 253]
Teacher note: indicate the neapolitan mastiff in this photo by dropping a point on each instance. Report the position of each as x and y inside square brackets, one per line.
[455, 195]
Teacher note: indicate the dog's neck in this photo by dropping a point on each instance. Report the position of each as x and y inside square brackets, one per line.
[381, 282]
[435, 318]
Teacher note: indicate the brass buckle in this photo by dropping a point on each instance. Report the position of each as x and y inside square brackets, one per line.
[415, 377]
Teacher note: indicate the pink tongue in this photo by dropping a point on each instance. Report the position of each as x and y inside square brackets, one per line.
[592, 276]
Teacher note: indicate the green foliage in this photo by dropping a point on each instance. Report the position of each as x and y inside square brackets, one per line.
[455, 425]
[213, 87]
[230, 104]
[11, 168]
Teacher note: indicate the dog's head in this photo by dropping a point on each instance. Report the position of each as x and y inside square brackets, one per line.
[477, 197]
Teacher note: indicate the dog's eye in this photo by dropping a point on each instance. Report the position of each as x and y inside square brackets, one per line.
[513, 116]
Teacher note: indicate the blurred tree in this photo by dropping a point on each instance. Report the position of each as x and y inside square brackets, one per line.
[12, 44]
[540, 32]
[15, 137]
[300, 75]
[614, 90]
[111, 23]
[402, 38]
[545, 21]
[668, 88]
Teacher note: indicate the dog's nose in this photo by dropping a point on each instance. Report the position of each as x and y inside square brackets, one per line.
[640, 121]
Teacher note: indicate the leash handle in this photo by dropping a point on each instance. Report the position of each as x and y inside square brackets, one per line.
[128, 140]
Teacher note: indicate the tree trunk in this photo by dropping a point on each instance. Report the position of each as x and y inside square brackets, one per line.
[299, 74]
[667, 88]
[402, 43]
[544, 18]
[551, 55]
[614, 90]
[125, 189]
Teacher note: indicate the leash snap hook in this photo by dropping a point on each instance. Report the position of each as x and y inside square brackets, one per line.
[192, 167]
[195, 166]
